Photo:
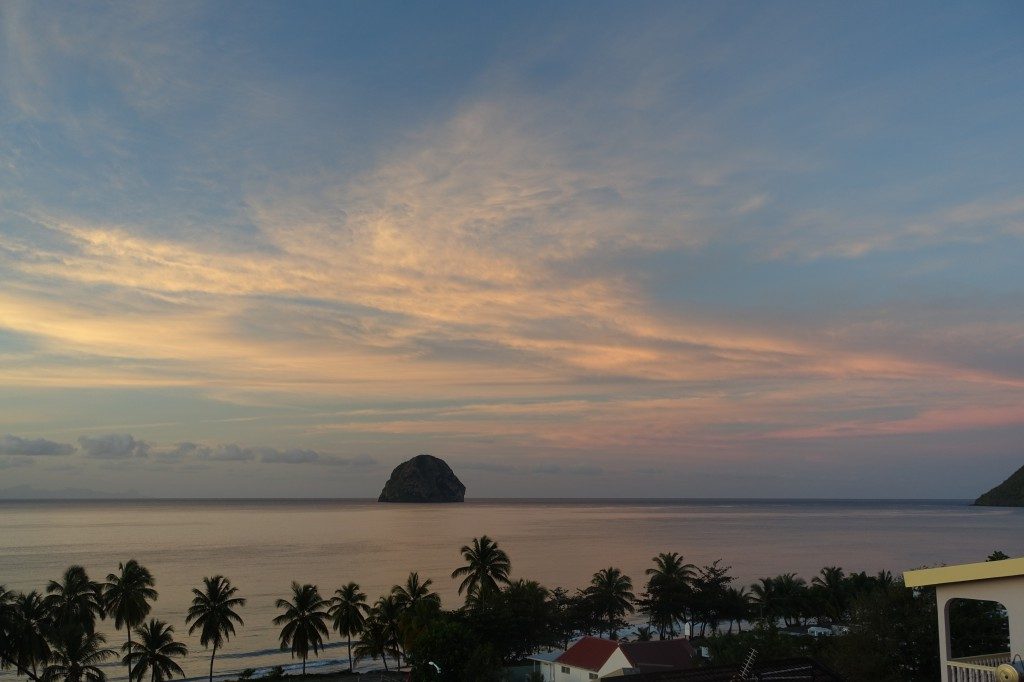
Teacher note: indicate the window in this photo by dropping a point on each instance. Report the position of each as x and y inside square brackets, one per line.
[593, 676]
[976, 628]
[565, 670]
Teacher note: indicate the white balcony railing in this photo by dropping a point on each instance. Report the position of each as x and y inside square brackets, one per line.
[975, 668]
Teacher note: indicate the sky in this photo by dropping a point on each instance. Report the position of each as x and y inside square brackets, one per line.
[576, 249]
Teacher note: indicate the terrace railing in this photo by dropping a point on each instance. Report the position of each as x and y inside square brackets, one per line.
[975, 668]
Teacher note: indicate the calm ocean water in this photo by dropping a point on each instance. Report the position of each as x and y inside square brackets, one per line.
[264, 545]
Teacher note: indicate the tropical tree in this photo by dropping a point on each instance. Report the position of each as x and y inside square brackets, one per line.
[611, 596]
[126, 598]
[669, 588]
[28, 632]
[388, 611]
[736, 607]
[76, 655]
[486, 567]
[304, 620]
[517, 620]
[710, 586]
[414, 620]
[792, 593]
[884, 579]
[10, 641]
[213, 613]
[830, 590]
[766, 600]
[670, 569]
[348, 613]
[784, 596]
[75, 600]
[414, 591]
[375, 640]
[154, 653]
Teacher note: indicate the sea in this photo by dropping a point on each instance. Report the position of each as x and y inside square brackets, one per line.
[264, 545]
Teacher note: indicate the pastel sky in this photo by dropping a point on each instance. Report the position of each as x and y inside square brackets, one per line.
[576, 249]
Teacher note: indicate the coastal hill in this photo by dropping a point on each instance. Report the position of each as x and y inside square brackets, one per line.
[423, 478]
[1009, 493]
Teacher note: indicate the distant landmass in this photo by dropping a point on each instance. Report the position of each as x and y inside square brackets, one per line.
[424, 478]
[1009, 493]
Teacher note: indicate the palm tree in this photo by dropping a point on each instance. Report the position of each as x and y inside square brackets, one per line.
[28, 631]
[374, 641]
[126, 597]
[10, 654]
[348, 611]
[155, 652]
[668, 586]
[76, 655]
[885, 580]
[414, 591]
[611, 594]
[792, 593]
[75, 601]
[736, 603]
[486, 566]
[762, 594]
[213, 613]
[304, 620]
[388, 610]
[669, 568]
[831, 589]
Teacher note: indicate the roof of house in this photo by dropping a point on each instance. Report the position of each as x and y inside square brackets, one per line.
[671, 654]
[590, 653]
[963, 573]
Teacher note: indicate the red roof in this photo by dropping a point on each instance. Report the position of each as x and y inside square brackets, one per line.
[589, 653]
[669, 654]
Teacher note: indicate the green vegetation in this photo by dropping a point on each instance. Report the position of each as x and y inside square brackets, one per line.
[126, 598]
[213, 614]
[154, 653]
[885, 631]
[348, 614]
[304, 620]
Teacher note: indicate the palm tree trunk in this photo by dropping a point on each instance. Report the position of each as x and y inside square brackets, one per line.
[129, 663]
[384, 657]
[211, 661]
[350, 652]
[303, 666]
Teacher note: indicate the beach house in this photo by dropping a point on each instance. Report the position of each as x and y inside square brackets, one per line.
[594, 658]
[999, 583]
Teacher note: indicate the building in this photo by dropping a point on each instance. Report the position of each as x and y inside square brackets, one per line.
[593, 658]
[990, 581]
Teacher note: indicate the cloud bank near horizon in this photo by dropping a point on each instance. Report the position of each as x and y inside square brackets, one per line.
[745, 252]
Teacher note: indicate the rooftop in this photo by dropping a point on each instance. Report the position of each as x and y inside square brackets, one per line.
[671, 654]
[590, 653]
[963, 573]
